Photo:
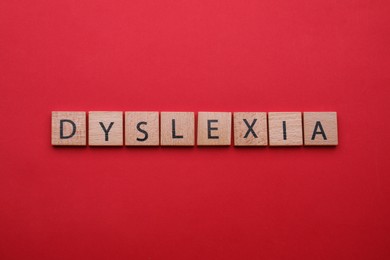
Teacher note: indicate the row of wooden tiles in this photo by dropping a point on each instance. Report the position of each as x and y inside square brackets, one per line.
[178, 128]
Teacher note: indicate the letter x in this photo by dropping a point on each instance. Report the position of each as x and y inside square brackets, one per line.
[250, 128]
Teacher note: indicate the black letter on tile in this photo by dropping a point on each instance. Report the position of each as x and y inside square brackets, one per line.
[142, 131]
[284, 131]
[315, 132]
[106, 130]
[250, 128]
[209, 129]
[62, 121]
[174, 130]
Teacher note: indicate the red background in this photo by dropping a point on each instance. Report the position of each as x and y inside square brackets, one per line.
[194, 203]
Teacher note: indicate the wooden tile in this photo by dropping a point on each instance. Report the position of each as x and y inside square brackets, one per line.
[285, 128]
[142, 128]
[68, 128]
[250, 129]
[214, 128]
[177, 129]
[320, 128]
[105, 128]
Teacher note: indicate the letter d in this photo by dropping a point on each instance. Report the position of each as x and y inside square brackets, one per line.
[62, 121]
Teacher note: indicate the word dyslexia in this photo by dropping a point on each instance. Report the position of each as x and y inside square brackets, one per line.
[178, 128]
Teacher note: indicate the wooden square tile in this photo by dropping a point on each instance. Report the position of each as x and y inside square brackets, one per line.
[320, 128]
[105, 128]
[285, 128]
[177, 129]
[68, 128]
[142, 128]
[250, 129]
[214, 128]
